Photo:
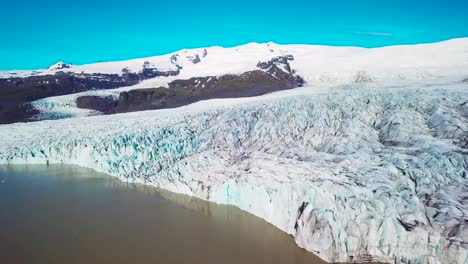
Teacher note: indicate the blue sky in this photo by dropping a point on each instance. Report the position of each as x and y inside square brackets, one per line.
[35, 34]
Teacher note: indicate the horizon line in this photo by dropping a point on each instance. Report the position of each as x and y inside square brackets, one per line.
[245, 44]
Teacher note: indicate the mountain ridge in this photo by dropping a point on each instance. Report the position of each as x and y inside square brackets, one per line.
[22, 73]
[53, 92]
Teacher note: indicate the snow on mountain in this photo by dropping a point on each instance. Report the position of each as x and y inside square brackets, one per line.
[352, 174]
[316, 64]
[59, 66]
[441, 62]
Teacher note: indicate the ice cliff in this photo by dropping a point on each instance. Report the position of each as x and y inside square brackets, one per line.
[353, 174]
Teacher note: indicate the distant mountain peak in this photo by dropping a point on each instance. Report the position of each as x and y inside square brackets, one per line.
[59, 66]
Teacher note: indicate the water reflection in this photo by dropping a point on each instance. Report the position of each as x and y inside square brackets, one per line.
[69, 214]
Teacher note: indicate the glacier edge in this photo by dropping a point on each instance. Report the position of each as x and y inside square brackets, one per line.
[353, 175]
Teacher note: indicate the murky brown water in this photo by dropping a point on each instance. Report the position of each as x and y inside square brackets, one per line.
[67, 214]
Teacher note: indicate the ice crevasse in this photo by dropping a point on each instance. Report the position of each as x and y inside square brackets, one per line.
[353, 175]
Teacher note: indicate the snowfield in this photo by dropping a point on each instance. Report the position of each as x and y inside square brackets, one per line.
[353, 173]
[317, 65]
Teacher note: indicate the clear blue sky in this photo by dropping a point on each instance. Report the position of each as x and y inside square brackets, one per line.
[35, 34]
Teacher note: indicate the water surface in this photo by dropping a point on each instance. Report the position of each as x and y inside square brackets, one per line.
[67, 214]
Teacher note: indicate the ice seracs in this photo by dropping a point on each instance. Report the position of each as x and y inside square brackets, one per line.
[353, 175]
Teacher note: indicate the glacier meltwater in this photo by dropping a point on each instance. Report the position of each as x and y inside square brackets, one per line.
[353, 174]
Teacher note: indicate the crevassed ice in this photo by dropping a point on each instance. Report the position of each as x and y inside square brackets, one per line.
[353, 175]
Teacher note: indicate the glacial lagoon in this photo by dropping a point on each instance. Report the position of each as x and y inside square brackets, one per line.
[68, 214]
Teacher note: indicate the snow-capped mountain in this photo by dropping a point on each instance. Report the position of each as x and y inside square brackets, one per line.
[366, 161]
[315, 65]
[59, 66]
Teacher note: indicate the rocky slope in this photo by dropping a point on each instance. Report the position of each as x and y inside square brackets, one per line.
[272, 76]
[17, 93]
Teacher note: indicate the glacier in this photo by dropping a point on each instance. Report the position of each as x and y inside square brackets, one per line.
[354, 173]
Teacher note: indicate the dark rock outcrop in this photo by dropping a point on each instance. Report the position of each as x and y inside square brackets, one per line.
[17, 93]
[273, 65]
[152, 72]
[11, 112]
[279, 67]
[196, 59]
[275, 75]
[98, 103]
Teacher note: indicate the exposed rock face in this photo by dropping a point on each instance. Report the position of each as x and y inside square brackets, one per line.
[182, 92]
[36, 87]
[16, 93]
[279, 67]
[275, 75]
[195, 59]
[174, 59]
[11, 112]
[150, 71]
[274, 64]
[102, 104]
